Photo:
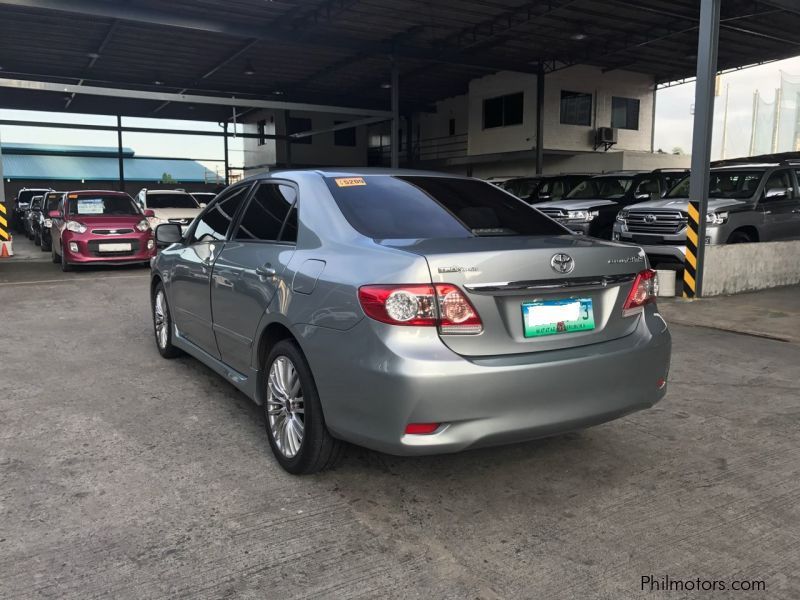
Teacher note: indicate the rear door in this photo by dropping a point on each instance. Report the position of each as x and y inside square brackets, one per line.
[779, 215]
[191, 275]
[249, 270]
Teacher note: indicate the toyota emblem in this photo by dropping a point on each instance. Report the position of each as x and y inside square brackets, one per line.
[562, 263]
[650, 218]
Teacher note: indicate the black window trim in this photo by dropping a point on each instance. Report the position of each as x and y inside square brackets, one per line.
[268, 181]
[592, 103]
[638, 113]
[503, 98]
[211, 205]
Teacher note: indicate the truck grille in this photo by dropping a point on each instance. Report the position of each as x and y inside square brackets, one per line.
[652, 221]
[554, 213]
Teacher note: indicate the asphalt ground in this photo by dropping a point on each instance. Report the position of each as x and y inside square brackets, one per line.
[128, 476]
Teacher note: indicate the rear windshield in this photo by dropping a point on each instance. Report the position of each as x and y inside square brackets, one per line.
[601, 187]
[100, 204]
[423, 207]
[156, 200]
[26, 195]
[36, 203]
[724, 184]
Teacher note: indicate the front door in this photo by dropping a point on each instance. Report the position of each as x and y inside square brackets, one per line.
[191, 276]
[249, 271]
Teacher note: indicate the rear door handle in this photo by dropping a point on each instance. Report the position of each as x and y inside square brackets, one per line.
[266, 271]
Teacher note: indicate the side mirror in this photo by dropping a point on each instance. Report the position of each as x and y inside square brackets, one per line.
[777, 194]
[203, 205]
[167, 234]
[149, 213]
[54, 214]
[642, 196]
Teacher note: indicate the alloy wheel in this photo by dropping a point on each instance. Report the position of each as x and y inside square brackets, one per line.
[161, 319]
[285, 406]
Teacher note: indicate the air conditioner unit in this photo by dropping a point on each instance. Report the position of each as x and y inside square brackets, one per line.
[605, 136]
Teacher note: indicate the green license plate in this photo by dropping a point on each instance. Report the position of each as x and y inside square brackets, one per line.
[551, 317]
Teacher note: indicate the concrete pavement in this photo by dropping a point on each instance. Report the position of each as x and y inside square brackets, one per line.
[128, 476]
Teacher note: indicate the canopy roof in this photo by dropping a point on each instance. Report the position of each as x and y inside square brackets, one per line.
[339, 52]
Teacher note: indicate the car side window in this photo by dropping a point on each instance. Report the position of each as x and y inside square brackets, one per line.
[647, 186]
[778, 179]
[271, 215]
[213, 225]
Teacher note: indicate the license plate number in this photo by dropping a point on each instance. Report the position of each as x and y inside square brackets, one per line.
[552, 317]
[114, 247]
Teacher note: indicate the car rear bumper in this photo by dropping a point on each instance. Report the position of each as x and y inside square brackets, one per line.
[381, 378]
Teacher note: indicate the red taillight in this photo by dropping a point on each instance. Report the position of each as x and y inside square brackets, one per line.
[643, 291]
[442, 305]
[421, 428]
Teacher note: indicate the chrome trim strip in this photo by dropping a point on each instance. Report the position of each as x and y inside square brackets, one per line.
[551, 284]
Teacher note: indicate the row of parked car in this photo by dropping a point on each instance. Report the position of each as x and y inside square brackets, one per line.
[748, 202]
[101, 226]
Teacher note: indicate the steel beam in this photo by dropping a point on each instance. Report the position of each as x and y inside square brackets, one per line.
[46, 86]
[225, 149]
[395, 136]
[22, 123]
[119, 155]
[708, 37]
[540, 77]
[345, 125]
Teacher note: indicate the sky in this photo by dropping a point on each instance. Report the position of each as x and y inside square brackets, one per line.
[208, 150]
[673, 122]
[674, 109]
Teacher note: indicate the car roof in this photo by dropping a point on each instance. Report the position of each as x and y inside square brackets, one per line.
[167, 192]
[107, 192]
[353, 172]
[746, 166]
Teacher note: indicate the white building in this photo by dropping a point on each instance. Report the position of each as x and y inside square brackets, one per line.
[490, 130]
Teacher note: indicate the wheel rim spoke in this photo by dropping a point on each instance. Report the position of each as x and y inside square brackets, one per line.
[285, 407]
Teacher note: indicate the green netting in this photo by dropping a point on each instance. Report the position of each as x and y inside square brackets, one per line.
[764, 124]
[788, 113]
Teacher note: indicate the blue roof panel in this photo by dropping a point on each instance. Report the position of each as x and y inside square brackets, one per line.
[77, 168]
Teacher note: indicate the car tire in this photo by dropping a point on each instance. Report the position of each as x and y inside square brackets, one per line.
[739, 237]
[53, 256]
[162, 323]
[43, 247]
[297, 433]
[65, 266]
[37, 240]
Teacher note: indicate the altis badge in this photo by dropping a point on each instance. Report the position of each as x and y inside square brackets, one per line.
[458, 269]
[628, 259]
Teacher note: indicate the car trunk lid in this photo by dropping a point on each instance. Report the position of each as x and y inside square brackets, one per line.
[501, 274]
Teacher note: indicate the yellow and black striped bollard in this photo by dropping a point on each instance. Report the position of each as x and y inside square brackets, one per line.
[690, 260]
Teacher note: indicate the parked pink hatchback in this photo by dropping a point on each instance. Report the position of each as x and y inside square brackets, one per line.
[100, 227]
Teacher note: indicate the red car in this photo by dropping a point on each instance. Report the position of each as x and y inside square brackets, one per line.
[100, 227]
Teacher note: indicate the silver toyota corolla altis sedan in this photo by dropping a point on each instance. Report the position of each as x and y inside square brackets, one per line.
[408, 312]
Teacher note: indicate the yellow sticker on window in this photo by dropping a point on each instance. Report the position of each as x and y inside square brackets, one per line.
[349, 181]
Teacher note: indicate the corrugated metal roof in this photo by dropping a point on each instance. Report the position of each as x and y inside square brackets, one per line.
[15, 148]
[77, 168]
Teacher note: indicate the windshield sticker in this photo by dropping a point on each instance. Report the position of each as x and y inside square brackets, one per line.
[91, 206]
[349, 181]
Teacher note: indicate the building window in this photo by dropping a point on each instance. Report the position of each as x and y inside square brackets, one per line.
[299, 125]
[576, 108]
[452, 127]
[344, 137]
[262, 132]
[502, 111]
[624, 113]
